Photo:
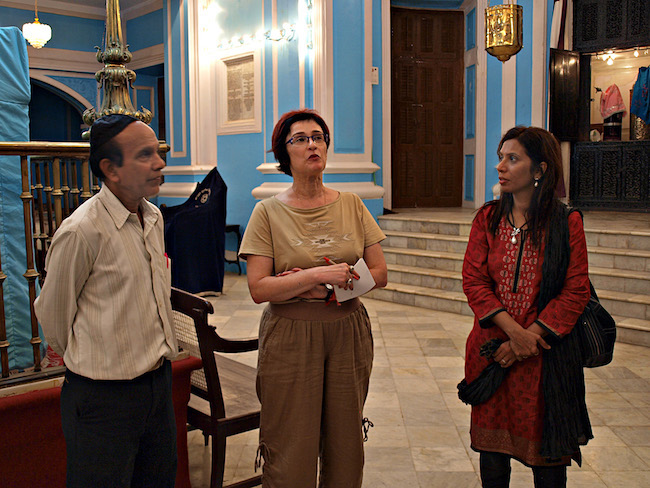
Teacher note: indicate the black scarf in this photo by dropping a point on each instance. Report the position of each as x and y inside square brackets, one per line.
[566, 421]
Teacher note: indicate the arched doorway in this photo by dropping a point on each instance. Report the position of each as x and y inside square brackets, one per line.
[54, 115]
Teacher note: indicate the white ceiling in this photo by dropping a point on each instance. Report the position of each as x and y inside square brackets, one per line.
[94, 9]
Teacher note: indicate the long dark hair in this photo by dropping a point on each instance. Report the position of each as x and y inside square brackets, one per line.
[541, 146]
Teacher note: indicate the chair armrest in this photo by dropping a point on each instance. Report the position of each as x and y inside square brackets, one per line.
[233, 345]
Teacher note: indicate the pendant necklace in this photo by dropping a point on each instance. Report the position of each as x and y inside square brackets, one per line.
[515, 230]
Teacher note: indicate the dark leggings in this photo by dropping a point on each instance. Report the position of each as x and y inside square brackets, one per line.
[495, 472]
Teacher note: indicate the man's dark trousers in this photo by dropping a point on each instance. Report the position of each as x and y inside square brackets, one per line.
[120, 433]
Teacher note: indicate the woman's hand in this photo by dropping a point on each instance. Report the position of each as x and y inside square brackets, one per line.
[525, 342]
[341, 275]
[504, 355]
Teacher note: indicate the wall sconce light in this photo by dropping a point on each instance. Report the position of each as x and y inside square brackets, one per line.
[287, 33]
[307, 9]
[504, 30]
[37, 34]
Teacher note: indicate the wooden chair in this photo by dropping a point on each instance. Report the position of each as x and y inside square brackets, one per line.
[223, 401]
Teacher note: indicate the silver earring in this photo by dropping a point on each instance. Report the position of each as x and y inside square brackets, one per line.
[536, 182]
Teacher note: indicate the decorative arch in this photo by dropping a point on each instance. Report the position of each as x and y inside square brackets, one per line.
[64, 91]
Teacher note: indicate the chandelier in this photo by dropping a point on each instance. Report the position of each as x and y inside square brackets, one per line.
[37, 34]
[503, 30]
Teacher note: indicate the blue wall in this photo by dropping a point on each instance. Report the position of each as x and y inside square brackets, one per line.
[73, 33]
[86, 87]
[349, 79]
[142, 97]
[174, 94]
[525, 68]
[145, 31]
[377, 101]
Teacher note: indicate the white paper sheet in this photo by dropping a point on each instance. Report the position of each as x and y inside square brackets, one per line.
[364, 284]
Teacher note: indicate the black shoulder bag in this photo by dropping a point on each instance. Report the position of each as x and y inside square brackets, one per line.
[596, 330]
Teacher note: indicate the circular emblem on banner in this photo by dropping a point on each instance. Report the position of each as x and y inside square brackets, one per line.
[203, 196]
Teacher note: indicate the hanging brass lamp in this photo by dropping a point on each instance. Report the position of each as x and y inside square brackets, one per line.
[504, 30]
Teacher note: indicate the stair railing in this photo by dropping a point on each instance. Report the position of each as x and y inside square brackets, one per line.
[55, 180]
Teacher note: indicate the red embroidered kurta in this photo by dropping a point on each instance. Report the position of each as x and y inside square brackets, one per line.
[499, 275]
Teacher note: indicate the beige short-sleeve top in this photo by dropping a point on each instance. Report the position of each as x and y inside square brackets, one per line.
[300, 238]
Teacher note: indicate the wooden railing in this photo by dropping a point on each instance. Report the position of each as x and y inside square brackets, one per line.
[56, 179]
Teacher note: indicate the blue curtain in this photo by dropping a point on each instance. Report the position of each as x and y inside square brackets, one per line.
[15, 94]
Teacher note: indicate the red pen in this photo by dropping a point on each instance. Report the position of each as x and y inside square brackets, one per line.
[167, 258]
[328, 260]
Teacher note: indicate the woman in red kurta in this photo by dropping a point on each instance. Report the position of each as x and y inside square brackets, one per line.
[502, 274]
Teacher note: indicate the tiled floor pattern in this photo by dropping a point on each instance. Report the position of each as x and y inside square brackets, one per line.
[421, 438]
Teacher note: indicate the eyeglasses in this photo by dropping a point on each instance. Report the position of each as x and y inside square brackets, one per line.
[304, 140]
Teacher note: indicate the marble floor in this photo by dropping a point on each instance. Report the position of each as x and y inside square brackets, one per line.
[420, 436]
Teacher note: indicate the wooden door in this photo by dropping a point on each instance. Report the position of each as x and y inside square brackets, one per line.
[427, 107]
[569, 99]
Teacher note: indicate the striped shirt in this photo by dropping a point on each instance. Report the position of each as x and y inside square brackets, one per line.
[105, 303]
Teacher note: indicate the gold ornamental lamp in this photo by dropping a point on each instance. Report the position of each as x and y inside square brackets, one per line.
[115, 77]
[504, 30]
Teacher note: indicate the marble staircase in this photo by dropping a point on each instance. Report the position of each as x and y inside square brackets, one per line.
[424, 251]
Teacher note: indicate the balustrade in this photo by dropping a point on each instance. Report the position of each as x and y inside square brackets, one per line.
[55, 179]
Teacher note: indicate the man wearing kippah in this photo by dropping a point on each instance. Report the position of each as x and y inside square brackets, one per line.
[105, 308]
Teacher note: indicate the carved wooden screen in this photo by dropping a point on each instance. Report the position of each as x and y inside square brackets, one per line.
[609, 24]
[611, 175]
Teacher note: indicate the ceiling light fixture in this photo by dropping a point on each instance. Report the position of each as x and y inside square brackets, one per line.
[37, 34]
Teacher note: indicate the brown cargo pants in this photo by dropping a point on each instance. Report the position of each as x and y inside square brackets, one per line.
[312, 382]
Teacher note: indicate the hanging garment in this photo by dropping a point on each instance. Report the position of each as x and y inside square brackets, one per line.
[611, 102]
[195, 237]
[640, 105]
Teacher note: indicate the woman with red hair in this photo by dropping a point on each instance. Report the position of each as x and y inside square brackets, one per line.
[315, 355]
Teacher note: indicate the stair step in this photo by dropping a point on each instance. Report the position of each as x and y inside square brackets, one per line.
[448, 261]
[638, 240]
[420, 296]
[601, 257]
[430, 278]
[632, 331]
[415, 223]
[625, 304]
[609, 257]
[621, 280]
[425, 241]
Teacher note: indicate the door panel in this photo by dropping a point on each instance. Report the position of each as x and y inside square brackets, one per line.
[427, 107]
[569, 100]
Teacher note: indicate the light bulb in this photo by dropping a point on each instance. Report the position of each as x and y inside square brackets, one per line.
[610, 61]
[636, 53]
